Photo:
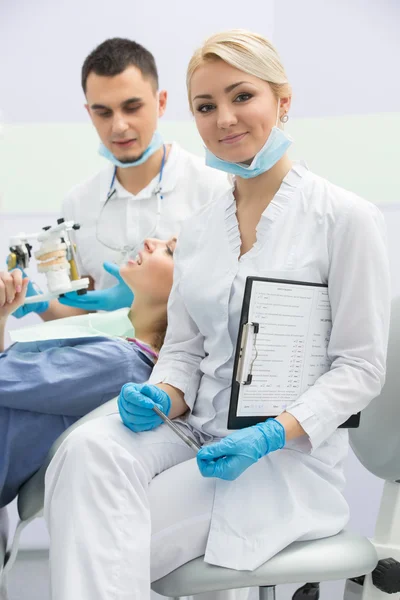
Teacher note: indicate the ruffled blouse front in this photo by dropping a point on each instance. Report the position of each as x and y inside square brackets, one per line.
[275, 210]
[210, 413]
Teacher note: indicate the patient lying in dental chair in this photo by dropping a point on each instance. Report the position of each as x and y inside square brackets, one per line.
[58, 371]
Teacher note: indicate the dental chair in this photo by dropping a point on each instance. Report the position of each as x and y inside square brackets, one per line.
[3, 548]
[370, 567]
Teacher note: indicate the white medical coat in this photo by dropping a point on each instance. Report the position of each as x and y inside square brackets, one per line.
[127, 219]
[311, 231]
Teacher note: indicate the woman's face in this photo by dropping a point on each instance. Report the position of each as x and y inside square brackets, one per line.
[234, 111]
[150, 274]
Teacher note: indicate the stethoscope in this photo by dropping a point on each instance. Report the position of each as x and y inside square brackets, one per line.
[126, 250]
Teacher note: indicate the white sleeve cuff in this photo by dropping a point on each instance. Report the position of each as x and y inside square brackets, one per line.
[316, 431]
[180, 378]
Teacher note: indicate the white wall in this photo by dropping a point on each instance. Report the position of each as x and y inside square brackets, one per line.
[54, 37]
[341, 55]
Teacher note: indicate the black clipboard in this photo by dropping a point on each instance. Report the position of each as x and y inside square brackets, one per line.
[235, 422]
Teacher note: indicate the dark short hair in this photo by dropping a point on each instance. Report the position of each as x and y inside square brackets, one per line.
[115, 55]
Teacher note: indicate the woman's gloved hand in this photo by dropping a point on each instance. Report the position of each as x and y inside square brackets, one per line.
[118, 296]
[228, 458]
[32, 290]
[135, 404]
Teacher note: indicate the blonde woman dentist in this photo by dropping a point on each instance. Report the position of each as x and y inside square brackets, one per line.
[127, 504]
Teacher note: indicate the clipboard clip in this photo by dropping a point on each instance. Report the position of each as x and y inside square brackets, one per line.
[245, 364]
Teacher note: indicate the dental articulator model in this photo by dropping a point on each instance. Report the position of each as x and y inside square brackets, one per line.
[56, 259]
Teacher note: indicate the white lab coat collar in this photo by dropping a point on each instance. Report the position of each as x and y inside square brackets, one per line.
[169, 180]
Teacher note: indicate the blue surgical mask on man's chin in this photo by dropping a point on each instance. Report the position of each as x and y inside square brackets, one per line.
[156, 143]
[272, 151]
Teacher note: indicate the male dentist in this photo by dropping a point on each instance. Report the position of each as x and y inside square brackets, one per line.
[148, 188]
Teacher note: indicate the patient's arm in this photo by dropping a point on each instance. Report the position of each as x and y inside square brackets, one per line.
[59, 311]
[68, 377]
[12, 295]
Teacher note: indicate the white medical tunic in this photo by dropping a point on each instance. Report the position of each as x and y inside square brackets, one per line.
[127, 219]
[311, 231]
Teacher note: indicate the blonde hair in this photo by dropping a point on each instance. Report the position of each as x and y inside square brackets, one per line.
[249, 52]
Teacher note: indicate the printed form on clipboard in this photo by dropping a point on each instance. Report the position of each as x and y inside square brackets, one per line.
[282, 348]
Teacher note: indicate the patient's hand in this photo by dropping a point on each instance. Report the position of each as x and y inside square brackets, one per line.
[13, 288]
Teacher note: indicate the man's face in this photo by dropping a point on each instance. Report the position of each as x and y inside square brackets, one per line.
[124, 110]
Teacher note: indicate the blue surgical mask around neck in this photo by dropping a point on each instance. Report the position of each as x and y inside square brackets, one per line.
[274, 148]
[155, 144]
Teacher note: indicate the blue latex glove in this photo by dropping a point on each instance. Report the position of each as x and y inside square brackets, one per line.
[135, 404]
[228, 458]
[37, 307]
[118, 296]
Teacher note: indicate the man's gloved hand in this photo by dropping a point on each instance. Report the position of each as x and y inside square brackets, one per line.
[228, 458]
[37, 307]
[135, 404]
[118, 296]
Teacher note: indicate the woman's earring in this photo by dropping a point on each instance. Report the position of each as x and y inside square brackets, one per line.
[284, 118]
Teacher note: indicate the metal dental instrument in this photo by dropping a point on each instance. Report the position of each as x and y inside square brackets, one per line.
[189, 441]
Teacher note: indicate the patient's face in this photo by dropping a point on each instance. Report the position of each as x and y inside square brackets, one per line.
[150, 274]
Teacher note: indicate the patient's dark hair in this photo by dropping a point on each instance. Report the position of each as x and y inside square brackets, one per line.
[115, 55]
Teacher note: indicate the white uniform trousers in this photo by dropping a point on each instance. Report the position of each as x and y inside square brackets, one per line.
[124, 509]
